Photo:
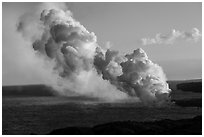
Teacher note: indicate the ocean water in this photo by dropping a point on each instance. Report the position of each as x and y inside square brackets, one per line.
[40, 115]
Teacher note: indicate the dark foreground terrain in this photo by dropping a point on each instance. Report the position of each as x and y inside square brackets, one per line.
[163, 127]
[34, 109]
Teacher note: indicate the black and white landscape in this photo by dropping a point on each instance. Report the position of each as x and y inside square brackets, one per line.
[83, 69]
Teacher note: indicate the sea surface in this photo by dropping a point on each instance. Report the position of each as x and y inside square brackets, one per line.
[40, 115]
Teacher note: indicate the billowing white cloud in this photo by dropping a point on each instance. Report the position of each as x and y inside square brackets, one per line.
[172, 37]
[78, 64]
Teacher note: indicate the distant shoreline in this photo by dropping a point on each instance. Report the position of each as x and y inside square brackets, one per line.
[43, 90]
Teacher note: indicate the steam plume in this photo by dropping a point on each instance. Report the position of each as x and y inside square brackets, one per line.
[172, 37]
[81, 66]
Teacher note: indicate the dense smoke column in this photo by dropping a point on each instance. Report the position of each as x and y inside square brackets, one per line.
[66, 41]
[85, 68]
[135, 75]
